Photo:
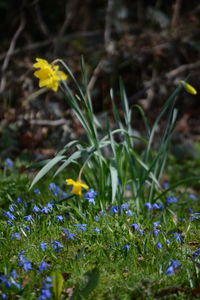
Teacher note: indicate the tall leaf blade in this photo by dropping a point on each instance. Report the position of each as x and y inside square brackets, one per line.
[114, 181]
[57, 280]
[46, 169]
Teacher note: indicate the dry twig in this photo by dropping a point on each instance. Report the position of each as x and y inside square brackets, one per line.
[176, 14]
[39, 20]
[107, 43]
[9, 53]
[169, 75]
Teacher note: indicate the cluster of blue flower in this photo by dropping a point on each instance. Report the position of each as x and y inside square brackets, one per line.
[45, 292]
[32, 213]
[7, 282]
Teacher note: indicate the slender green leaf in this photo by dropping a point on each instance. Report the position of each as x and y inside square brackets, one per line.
[38, 164]
[46, 169]
[114, 180]
[57, 280]
[76, 155]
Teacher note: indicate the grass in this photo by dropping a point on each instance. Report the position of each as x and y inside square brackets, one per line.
[114, 261]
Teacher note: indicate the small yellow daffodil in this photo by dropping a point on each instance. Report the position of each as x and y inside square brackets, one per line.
[49, 74]
[77, 186]
[188, 87]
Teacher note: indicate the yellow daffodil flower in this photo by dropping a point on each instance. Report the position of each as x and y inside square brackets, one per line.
[49, 74]
[188, 87]
[77, 186]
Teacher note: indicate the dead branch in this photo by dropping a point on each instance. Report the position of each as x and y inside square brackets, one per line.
[182, 69]
[10, 52]
[108, 23]
[95, 74]
[53, 123]
[107, 43]
[47, 42]
[176, 14]
[168, 76]
[39, 20]
[70, 10]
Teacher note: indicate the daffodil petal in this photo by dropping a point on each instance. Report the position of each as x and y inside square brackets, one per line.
[70, 181]
[77, 186]
[85, 186]
[49, 75]
[188, 87]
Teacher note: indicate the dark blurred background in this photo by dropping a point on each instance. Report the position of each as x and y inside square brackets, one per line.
[151, 45]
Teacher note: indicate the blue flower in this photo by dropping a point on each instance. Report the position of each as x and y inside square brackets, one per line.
[158, 205]
[175, 263]
[43, 246]
[43, 266]
[135, 226]
[66, 231]
[36, 209]
[45, 292]
[155, 224]
[5, 281]
[165, 185]
[16, 235]
[81, 227]
[63, 195]
[124, 206]
[24, 263]
[37, 191]
[96, 218]
[3, 296]
[12, 207]
[56, 245]
[156, 232]
[10, 223]
[17, 285]
[178, 237]
[9, 215]
[172, 267]
[96, 229]
[126, 247]
[13, 274]
[71, 236]
[8, 163]
[56, 191]
[159, 245]
[90, 195]
[194, 255]
[28, 228]
[50, 205]
[169, 271]
[114, 209]
[28, 218]
[19, 200]
[52, 186]
[148, 205]
[192, 196]
[194, 216]
[45, 210]
[102, 212]
[59, 218]
[129, 213]
[170, 200]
